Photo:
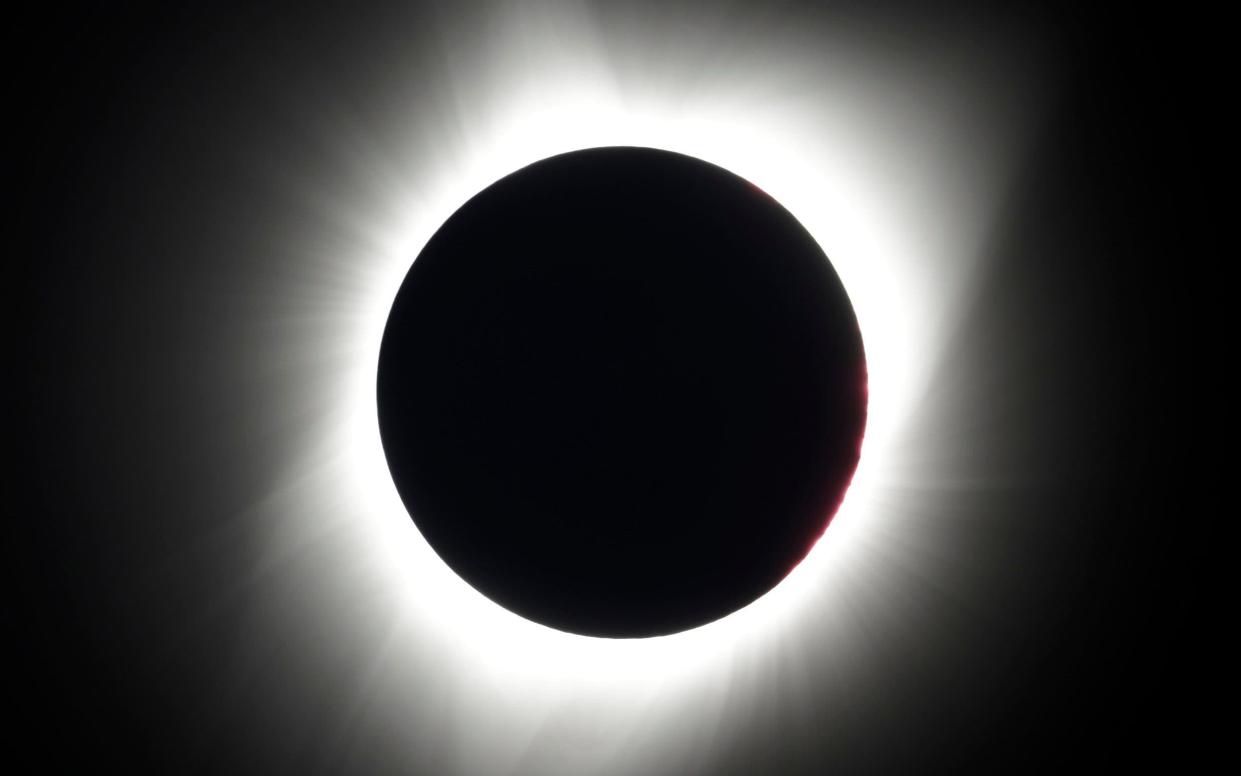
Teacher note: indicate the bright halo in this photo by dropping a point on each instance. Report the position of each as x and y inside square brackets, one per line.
[898, 193]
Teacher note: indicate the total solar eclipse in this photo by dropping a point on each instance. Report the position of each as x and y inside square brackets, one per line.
[622, 392]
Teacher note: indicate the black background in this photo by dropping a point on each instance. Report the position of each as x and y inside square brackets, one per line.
[120, 372]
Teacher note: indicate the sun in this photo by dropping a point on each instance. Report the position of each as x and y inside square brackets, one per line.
[898, 192]
[826, 205]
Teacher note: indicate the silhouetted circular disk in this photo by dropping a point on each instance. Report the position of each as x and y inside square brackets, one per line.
[621, 392]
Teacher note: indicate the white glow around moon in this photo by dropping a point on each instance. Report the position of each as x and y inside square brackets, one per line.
[893, 153]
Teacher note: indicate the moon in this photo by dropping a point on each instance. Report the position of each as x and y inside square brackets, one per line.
[621, 392]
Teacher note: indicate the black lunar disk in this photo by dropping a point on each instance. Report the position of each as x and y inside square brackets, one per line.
[622, 392]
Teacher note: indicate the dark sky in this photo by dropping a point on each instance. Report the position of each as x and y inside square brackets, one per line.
[146, 431]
